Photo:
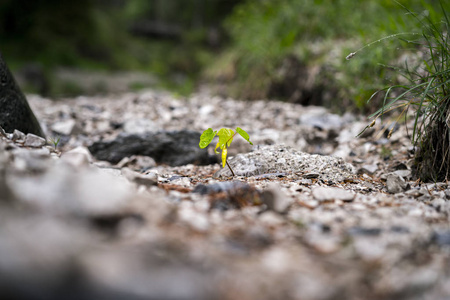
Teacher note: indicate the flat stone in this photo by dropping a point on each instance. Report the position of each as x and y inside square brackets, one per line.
[32, 140]
[403, 173]
[275, 199]
[282, 159]
[364, 231]
[61, 189]
[147, 180]
[66, 127]
[174, 148]
[395, 183]
[368, 169]
[332, 193]
[77, 157]
[311, 175]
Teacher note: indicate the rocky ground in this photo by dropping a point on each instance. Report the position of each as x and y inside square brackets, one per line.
[124, 205]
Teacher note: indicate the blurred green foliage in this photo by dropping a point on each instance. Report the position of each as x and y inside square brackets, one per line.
[318, 33]
[169, 38]
[248, 46]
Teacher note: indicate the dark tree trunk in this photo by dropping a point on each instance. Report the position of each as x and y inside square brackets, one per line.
[15, 113]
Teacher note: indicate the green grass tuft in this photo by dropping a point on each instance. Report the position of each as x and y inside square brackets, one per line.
[426, 91]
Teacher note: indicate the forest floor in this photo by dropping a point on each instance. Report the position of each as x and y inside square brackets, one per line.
[312, 213]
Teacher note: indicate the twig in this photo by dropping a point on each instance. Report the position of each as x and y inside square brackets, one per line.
[230, 169]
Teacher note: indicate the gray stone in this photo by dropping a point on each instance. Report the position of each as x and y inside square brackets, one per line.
[34, 141]
[403, 173]
[332, 193]
[195, 219]
[230, 194]
[395, 183]
[368, 250]
[272, 219]
[174, 148]
[87, 192]
[275, 199]
[18, 136]
[282, 159]
[137, 162]
[357, 230]
[15, 112]
[146, 180]
[218, 187]
[368, 169]
[31, 160]
[447, 194]
[442, 238]
[311, 175]
[139, 126]
[322, 120]
[66, 127]
[415, 192]
[77, 157]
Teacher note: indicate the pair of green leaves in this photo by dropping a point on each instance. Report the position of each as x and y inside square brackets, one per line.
[226, 136]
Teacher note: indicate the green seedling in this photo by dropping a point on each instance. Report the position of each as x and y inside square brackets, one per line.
[54, 141]
[226, 136]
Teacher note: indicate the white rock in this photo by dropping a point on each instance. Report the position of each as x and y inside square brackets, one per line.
[34, 141]
[66, 127]
[62, 189]
[206, 110]
[332, 193]
[78, 157]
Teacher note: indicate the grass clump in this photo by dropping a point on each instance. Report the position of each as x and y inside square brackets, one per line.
[54, 141]
[282, 48]
[426, 91]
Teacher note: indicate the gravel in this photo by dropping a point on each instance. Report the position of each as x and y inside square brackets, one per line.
[310, 214]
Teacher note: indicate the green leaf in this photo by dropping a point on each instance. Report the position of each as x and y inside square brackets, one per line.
[244, 134]
[206, 137]
[225, 137]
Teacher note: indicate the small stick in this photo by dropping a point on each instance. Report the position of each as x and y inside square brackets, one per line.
[230, 169]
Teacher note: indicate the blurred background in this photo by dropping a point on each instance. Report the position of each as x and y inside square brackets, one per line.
[289, 50]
